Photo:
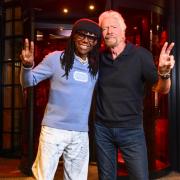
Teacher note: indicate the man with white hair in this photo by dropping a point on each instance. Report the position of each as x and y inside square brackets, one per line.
[124, 70]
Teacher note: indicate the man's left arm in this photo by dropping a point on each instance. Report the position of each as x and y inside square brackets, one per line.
[166, 63]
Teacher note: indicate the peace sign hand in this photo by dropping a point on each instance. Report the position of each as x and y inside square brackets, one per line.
[27, 54]
[166, 61]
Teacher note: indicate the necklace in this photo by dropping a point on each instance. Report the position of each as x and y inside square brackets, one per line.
[83, 61]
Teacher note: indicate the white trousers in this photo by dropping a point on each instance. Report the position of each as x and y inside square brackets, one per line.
[72, 145]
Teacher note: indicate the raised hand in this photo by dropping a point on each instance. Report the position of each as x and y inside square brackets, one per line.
[166, 61]
[27, 54]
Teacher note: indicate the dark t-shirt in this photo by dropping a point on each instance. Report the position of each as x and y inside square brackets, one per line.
[120, 87]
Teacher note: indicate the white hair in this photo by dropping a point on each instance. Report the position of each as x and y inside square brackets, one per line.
[113, 14]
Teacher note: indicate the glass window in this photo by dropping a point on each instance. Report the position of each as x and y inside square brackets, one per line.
[7, 97]
[8, 30]
[6, 141]
[18, 13]
[7, 73]
[16, 141]
[8, 14]
[8, 50]
[18, 27]
[17, 120]
[17, 49]
[18, 97]
[10, 83]
[17, 65]
[17, 72]
[7, 116]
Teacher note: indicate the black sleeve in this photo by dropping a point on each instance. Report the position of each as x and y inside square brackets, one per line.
[149, 70]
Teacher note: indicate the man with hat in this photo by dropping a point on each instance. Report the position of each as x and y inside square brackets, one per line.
[72, 74]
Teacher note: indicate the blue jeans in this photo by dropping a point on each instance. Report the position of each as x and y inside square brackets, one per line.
[133, 148]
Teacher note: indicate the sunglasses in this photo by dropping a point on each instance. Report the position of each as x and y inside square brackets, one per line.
[82, 35]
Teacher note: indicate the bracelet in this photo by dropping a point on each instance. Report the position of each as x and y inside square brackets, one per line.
[164, 76]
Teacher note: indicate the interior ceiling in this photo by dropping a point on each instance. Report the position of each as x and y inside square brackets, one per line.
[52, 9]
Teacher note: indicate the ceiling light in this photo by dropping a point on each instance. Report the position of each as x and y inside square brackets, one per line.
[65, 10]
[91, 7]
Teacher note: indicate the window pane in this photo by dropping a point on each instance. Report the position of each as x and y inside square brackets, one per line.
[8, 30]
[6, 141]
[18, 97]
[7, 73]
[18, 13]
[17, 72]
[7, 97]
[8, 14]
[18, 27]
[17, 141]
[18, 48]
[8, 50]
[17, 120]
[7, 122]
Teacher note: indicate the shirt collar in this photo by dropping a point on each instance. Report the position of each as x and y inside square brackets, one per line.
[127, 50]
[82, 61]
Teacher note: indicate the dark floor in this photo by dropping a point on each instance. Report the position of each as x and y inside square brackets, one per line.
[9, 171]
